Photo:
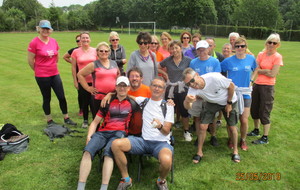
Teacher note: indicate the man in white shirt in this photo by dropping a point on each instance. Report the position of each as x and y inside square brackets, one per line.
[155, 137]
[218, 93]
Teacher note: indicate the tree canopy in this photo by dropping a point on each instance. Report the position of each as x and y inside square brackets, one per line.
[24, 15]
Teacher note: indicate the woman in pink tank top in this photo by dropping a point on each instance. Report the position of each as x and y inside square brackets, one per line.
[104, 75]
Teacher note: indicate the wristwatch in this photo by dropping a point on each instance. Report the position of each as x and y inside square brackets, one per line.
[229, 102]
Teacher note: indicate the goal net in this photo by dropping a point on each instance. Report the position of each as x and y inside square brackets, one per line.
[135, 27]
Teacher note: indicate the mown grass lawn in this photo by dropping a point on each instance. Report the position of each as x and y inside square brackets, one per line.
[55, 165]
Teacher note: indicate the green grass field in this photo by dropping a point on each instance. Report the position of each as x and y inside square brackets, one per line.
[55, 165]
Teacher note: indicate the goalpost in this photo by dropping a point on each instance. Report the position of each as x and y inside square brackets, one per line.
[152, 24]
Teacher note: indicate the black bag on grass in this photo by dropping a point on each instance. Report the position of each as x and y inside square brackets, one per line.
[58, 131]
[12, 140]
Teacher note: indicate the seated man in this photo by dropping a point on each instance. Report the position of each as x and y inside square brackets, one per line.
[116, 116]
[219, 94]
[155, 137]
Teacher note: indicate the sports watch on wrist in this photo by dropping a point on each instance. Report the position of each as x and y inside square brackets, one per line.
[229, 102]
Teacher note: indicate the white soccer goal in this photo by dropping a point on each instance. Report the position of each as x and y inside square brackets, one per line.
[153, 26]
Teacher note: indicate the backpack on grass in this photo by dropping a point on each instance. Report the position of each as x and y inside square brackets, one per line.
[12, 140]
[59, 131]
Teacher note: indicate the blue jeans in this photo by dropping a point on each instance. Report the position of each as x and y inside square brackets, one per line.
[142, 146]
[103, 139]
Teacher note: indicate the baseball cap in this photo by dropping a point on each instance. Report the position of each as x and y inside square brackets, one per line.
[122, 79]
[202, 44]
[45, 24]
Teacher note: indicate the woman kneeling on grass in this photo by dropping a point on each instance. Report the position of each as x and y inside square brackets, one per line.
[269, 62]
[42, 58]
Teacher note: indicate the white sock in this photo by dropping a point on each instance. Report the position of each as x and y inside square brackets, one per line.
[81, 185]
[104, 187]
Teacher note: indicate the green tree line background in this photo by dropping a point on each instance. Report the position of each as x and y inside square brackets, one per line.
[262, 15]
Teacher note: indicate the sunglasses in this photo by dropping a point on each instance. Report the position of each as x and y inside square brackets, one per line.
[145, 43]
[77, 41]
[191, 81]
[274, 43]
[240, 46]
[185, 37]
[154, 43]
[114, 40]
[102, 51]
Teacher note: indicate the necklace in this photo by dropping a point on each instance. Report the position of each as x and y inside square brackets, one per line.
[144, 55]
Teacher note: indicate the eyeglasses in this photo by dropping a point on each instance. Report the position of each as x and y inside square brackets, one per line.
[114, 40]
[102, 51]
[77, 41]
[240, 46]
[157, 86]
[195, 41]
[185, 37]
[145, 43]
[274, 43]
[154, 43]
[191, 81]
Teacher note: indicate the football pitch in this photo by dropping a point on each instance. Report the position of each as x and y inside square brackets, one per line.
[47, 165]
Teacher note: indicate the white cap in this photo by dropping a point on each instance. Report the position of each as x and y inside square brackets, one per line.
[122, 79]
[202, 44]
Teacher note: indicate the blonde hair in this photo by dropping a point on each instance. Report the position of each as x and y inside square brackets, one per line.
[112, 34]
[167, 35]
[274, 36]
[156, 38]
[241, 40]
[103, 44]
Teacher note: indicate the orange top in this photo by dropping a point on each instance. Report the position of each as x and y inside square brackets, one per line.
[143, 91]
[159, 56]
[267, 62]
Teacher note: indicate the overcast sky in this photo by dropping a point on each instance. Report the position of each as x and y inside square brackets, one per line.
[61, 3]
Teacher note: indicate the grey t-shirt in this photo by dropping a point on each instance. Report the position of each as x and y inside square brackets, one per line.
[148, 67]
[175, 71]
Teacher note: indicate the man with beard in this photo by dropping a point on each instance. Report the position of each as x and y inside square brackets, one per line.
[135, 76]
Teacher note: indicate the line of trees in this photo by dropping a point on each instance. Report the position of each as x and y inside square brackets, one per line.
[21, 15]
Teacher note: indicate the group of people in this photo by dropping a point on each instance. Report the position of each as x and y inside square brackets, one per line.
[202, 83]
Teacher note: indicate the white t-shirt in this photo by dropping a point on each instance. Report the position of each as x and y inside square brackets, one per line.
[153, 110]
[215, 90]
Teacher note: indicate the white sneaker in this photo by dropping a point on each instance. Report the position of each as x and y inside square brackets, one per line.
[187, 136]
[85, 124]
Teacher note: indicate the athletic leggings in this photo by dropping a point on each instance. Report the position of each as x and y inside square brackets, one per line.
[86, 100]
[95, 106]
[54, 82]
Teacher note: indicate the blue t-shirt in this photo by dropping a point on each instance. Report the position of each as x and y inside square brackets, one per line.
[207, 66]
[239, 70]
